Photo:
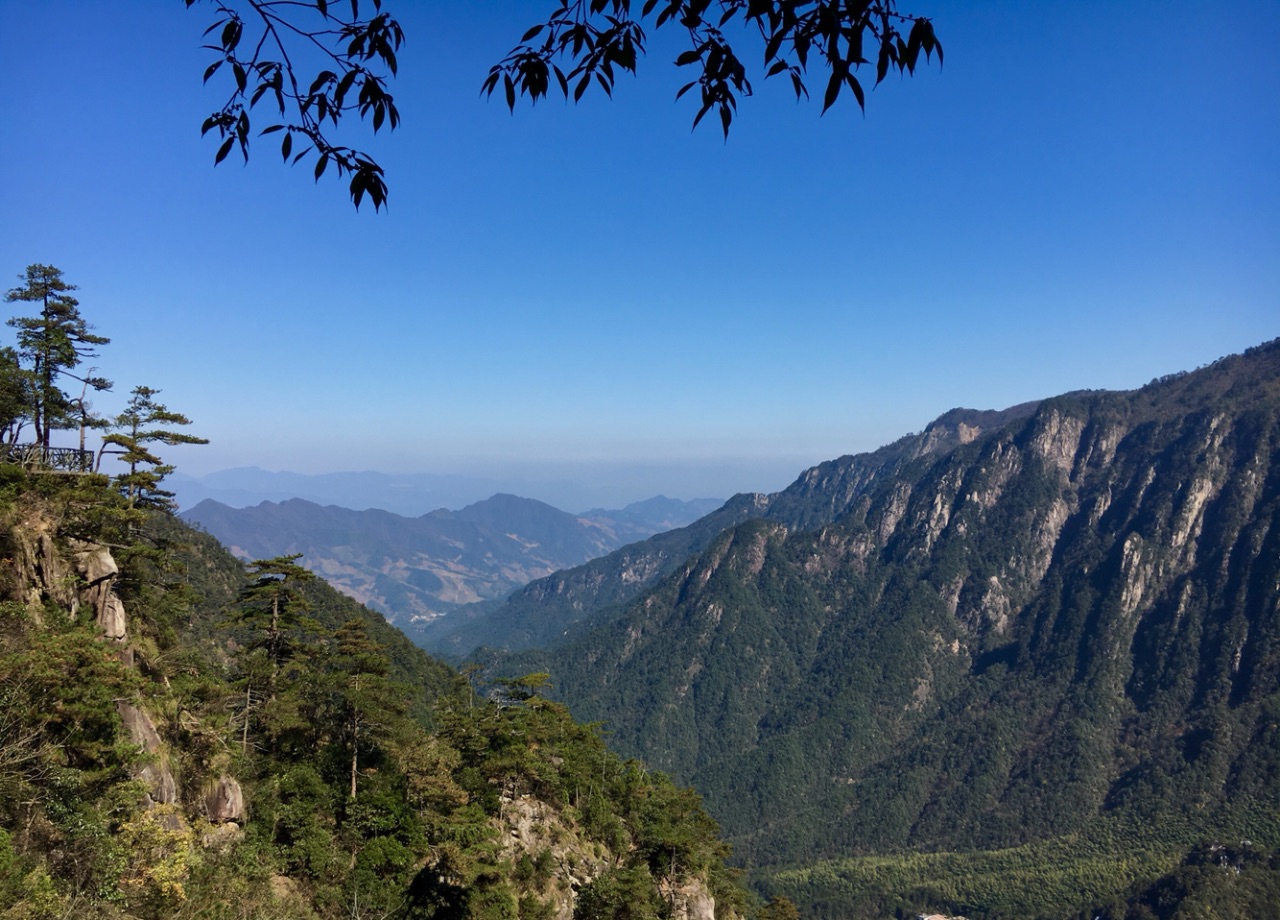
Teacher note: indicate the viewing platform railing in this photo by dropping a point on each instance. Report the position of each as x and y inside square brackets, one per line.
[55, 459]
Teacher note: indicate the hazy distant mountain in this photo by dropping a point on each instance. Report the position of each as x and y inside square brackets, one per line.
[408, 494]
[411, 494]
[416, 569]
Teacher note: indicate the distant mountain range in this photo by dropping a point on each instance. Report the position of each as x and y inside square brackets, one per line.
[608, 484]
[414, 570]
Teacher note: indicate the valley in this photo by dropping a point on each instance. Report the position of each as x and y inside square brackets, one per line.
[416, 570]
[1025, 641]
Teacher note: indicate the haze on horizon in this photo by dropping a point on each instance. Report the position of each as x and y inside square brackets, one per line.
[1083, 197]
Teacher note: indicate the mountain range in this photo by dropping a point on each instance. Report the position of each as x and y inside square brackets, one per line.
[414, 570]
[1052, 626]
[1024, 663]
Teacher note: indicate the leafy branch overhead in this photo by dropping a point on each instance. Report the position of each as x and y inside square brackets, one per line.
[265, 44]
[268, 47]
[594, 39]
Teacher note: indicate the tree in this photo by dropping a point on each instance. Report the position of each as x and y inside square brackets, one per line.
[134, 433]
[52, 344]
[779, 908]
[273, 607]
[83, 409]
[597, 38]
[349, 49]
[15, 397]
[261, 43]
[274, 611]
[371, 706]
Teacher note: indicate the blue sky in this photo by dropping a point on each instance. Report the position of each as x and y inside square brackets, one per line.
[1085, 196]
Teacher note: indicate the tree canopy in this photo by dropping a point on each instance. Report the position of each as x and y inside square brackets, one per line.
[316, 62]
[52, 344]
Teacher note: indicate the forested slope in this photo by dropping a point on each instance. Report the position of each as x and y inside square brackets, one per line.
[545, 611]
[1063, 627]
[180, 740]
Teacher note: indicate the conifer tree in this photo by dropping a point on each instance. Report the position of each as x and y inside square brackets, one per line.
[15, 397]
[371, 706]
[134, 433]
[52, 343]
[274, 611]
[273, 608]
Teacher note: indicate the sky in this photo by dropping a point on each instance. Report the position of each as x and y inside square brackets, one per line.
[1083, 196]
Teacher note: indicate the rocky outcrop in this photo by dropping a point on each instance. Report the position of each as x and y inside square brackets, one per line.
[224, 801]
[96, 566]
[529, 827]
[162, 789]
[43, 572]
[40, 573]
[688, 899]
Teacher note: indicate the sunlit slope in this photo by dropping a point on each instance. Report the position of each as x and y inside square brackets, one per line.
[1071, 615]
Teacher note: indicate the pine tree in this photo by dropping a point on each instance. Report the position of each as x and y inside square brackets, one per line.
[15, 397]
[134, 433]
[372, 708]
[274, 611]
[52, 343]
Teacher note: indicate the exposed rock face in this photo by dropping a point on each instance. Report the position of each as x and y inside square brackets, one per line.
[224, 801]
[689, 900]
[162, 789]
[43, 573]
[40, 572]
[530, 827]
[1093, 581]
[99, 570]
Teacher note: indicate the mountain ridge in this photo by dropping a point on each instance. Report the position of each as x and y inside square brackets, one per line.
[1068, 619]
[419, 568]
[546, 610]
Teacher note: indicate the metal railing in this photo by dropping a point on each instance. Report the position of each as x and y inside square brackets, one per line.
[56, 459]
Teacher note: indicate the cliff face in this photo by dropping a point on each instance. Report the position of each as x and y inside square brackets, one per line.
[977, 639]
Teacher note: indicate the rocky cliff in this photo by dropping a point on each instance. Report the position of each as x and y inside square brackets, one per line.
[982, 636]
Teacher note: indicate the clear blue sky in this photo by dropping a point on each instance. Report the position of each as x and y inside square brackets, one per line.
[1087, 195]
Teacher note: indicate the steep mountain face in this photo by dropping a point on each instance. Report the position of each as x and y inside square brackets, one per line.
[547, 610]
[417, 569]
[1002, 636]
[541, 612]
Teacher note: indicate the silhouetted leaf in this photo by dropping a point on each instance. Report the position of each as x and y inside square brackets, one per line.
[833, 91]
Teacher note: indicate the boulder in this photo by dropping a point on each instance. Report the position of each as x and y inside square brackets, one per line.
[98, 568]
[224, 801]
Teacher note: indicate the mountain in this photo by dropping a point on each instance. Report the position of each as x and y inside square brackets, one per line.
[572, 486]
[418, 569]
[1052, 633]
[178, 741]
[547, 610]
[408, 494]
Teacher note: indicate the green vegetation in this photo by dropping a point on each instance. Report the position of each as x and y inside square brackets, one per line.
[365, 794]
[1108, 871]
[969, 665]
[185, 736]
